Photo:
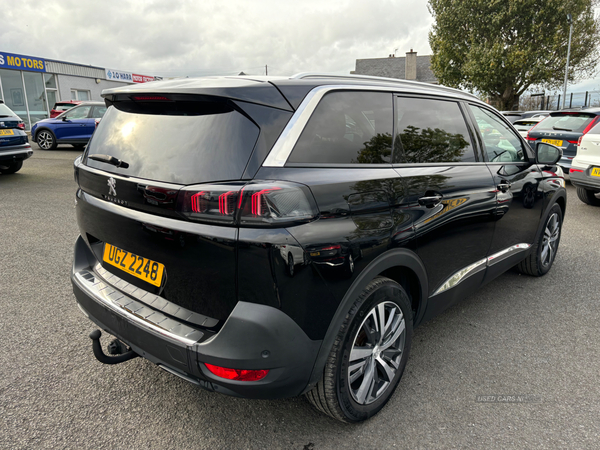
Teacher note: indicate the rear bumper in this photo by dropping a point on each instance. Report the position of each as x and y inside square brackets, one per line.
[584, 180]
[15, 152]
[253, 337]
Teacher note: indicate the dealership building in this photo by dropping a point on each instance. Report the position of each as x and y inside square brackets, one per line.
[30, 86]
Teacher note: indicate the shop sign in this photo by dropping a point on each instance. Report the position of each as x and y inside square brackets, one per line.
[141, 78]
[117, 75]
[21, 62]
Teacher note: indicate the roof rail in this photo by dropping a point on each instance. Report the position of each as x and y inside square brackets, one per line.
[304, 75]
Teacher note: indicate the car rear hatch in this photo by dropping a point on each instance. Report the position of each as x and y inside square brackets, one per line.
[563, 129]
[11, 128]
[135, 178]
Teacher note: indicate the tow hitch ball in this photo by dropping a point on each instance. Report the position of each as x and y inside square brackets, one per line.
[114, 347]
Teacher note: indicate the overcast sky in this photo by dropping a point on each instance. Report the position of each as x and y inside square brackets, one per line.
[207, 37]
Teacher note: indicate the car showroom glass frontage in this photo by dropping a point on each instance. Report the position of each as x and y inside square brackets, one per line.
[31, 86]
[29, 94]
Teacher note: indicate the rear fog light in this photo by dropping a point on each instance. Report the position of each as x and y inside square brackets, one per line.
[237, 374]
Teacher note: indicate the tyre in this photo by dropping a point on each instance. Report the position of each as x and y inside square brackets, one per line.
[588, 197]
[12, 167]
[290, 265]
[365, 364]
[543, 252]
[46, 140]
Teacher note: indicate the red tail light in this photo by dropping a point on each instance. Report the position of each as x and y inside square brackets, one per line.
[21, 125]
[237, 374]
[273, 203]
[150, 98]
[572, 142]
[579, 140]
[574, 170]
[591, 124]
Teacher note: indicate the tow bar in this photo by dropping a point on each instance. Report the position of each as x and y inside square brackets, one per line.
[105, 359]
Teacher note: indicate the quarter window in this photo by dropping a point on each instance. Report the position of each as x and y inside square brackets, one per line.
[500, 142]
[430, 131]
[348, 128]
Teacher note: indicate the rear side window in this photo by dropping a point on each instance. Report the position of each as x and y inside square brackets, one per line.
[185, 143]
[98, 112]
[566, 122]
[348, 128]
[430, 131]
[78, 113]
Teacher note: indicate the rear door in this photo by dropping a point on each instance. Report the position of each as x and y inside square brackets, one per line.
[451, 195]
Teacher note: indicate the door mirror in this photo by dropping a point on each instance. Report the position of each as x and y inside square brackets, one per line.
[64, 118]
[547, 154]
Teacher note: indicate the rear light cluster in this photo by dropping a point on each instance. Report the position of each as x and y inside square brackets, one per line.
[254, 204]
[21, 125]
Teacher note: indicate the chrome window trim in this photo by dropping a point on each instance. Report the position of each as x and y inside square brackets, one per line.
[282, 149]
[462, 274]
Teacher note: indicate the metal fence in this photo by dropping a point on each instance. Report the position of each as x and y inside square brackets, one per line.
[554, 101]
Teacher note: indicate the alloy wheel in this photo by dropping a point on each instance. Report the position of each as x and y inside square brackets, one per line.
[376, 352]
[550, 240]
[45, 140]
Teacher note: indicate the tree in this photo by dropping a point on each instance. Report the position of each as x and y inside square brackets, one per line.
[502, 47]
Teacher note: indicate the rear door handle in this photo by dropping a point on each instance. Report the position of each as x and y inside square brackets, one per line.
[430, 201]
[504, 186]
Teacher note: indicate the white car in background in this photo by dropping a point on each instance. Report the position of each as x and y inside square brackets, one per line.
[524, 125]
[585, 169]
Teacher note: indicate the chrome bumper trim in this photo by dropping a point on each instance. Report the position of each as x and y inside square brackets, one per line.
[155, 301]
[135, 311]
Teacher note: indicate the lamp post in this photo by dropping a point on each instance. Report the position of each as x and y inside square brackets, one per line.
[570, 22]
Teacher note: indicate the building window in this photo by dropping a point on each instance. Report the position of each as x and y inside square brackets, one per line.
[80, 95]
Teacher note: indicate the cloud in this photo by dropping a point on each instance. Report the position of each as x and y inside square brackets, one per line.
[192, 38]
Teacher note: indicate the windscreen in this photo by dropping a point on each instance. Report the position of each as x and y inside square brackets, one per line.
[185, 143]
[566, 122]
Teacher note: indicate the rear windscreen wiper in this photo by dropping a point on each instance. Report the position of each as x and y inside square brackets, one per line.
[109, 160]
[562, 129]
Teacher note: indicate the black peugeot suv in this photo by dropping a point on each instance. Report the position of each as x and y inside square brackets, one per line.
[273, 237]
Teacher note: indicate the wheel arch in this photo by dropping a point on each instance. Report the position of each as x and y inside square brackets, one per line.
[400, 265]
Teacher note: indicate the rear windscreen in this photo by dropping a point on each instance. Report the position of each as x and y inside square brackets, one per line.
[179, 142]
[566, 122]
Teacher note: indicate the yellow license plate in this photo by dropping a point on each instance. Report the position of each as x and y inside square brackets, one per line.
[6, 132]
[556, 142]
[595, 172]
[142, 268]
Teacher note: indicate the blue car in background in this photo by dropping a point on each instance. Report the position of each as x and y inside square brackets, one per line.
[74, 126]
[14, 145]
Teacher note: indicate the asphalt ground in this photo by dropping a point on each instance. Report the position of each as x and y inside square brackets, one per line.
[527, 346]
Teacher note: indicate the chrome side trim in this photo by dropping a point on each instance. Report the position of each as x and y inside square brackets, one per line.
[506, 253]
[282, 149]
[472, 269]
[461, 275]
[137, 312]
